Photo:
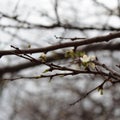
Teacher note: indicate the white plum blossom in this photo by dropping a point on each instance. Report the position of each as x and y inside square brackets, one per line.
[92, 58]
[85, 59]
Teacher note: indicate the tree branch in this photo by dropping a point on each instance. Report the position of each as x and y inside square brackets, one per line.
[98, 39]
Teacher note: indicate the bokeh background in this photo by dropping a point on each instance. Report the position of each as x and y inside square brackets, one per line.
[35, 23]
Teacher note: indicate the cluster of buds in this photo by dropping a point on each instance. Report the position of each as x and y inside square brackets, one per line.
[43, 57]
[88, 61]
[69, 53]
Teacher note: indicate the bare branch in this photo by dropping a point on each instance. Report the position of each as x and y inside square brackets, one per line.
[98, 39]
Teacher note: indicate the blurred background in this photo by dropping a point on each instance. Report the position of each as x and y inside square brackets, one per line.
[36, 23]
